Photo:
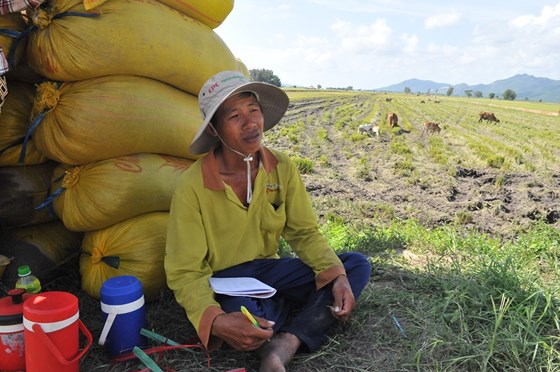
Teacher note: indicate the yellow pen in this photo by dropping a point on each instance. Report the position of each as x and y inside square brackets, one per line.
[249, 316]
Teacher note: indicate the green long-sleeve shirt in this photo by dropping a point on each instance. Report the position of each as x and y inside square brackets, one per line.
[210, 230]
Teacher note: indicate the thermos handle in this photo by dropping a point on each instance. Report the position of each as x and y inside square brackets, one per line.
[112, 312]
[107, 327]
[54, 350]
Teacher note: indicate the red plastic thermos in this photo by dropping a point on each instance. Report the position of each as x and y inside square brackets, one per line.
[12, 346]
[52, 325]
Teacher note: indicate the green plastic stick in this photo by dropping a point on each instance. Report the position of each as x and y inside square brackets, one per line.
[148, 362]
[158, 337]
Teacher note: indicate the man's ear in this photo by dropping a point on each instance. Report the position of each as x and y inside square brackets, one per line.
[210, 130]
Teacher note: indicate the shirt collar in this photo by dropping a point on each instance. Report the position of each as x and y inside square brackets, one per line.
[211, 173]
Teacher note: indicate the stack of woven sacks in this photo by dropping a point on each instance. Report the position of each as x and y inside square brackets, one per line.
[27, 236]
[116, 113]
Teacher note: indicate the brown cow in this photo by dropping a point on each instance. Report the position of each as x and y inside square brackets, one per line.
[392, 120]
[488, 116]
[431, 127]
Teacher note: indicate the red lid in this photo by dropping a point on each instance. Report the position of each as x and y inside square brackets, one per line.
[47, 307]
[11, 306]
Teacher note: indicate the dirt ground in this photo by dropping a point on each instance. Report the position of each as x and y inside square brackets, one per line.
[499, 212]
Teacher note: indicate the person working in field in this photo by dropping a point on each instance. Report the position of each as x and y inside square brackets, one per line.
[227, 216]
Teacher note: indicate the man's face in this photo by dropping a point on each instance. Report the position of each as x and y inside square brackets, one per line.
[240, 123]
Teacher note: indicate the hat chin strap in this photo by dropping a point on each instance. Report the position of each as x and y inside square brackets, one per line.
[246, 158]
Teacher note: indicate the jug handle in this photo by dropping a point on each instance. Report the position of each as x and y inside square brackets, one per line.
[54, 350]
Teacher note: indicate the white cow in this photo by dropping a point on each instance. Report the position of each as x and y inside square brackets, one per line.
[369, 129]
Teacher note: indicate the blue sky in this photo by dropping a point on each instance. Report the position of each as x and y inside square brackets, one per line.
[369, 44]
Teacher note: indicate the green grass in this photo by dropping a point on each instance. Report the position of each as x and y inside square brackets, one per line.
[305, 165]
[438, 151]
[517, 104]
[475, 304]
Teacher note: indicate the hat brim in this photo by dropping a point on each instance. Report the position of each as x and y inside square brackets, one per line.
[273, 101]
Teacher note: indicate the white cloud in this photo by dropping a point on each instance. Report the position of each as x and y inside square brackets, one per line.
[549, 15]
[305, 42]
[410, 43]
[280, 37]
[481, 55]
[306, 58]
[442, 20]
[363, 39]
[528, 43]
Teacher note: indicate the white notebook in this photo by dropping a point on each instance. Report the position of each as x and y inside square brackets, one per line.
[242, 286]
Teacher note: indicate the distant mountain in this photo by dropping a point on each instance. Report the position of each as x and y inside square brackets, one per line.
[416, 86]
[525, 86]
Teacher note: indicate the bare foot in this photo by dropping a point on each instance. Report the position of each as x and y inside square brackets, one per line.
[277, 353]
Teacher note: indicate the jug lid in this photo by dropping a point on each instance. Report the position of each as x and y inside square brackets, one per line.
[121, 289]
[50, 306]
[11, 307]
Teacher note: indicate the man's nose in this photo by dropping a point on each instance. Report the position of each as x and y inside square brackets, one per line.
[248, 119]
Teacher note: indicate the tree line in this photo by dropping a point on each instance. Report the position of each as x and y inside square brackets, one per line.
[268, 76]
[508, 95]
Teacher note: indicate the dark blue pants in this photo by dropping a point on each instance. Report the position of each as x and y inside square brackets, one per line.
[297, 307]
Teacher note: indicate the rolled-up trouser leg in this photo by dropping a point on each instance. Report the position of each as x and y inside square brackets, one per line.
[313, 323]
[315, 320]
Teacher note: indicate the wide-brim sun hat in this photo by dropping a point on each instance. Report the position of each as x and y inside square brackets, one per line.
[273, 101]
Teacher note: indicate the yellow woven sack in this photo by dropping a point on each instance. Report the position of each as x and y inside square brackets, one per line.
[132, 247]
[15, 120]
[43, 247]
[11, 156]
[100, 194]
[107, 117]
[243, 68]
[21, 190]
[210, 12]
[16, 114]
[128, 37]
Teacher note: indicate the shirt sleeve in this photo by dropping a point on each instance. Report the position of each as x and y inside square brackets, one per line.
[187, 269]
[302, 231]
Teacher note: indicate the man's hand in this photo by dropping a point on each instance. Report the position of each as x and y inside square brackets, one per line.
[344, 300]
[238, 332]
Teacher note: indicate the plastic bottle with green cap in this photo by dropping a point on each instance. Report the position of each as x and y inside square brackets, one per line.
[28, 281]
